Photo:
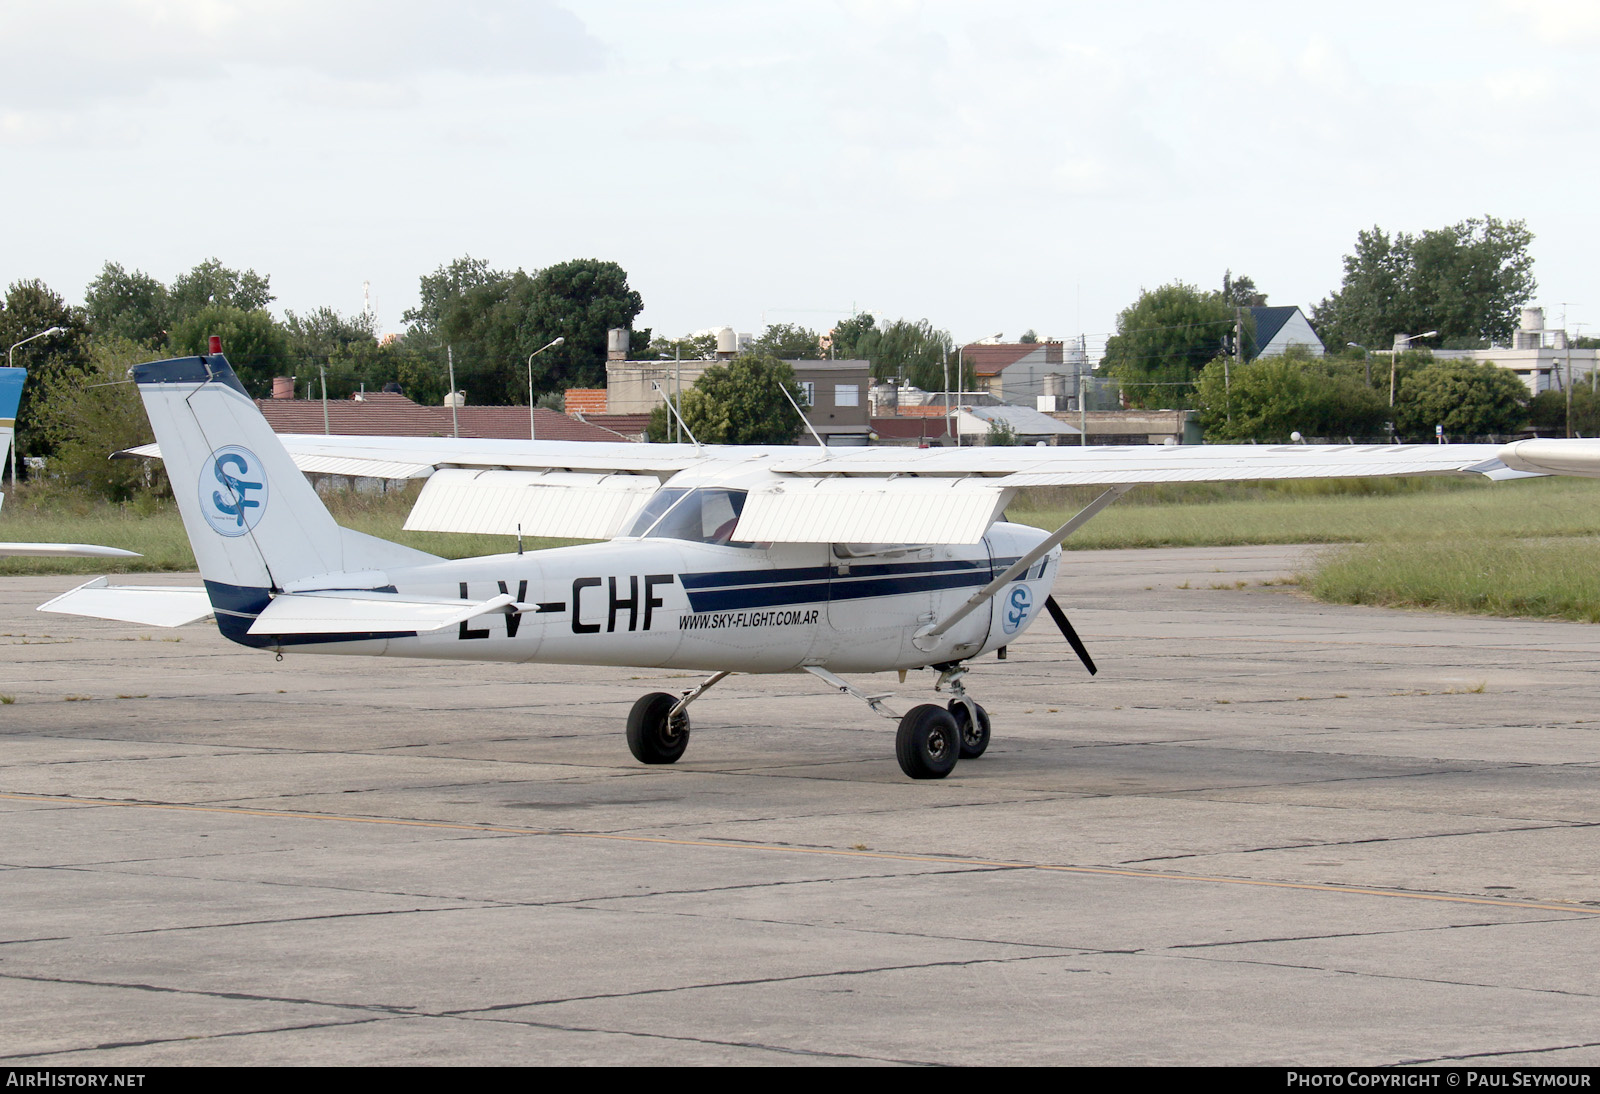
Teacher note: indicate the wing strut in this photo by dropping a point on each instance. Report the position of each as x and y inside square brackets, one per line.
[1070, 634]
[928, 638]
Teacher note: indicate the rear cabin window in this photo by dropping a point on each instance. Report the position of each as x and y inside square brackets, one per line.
[704, 515]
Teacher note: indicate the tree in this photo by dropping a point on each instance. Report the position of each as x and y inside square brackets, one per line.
[738, 403]
[87, 415]
[908, 350]
[324, 333]
[580, 300]
[1241, 291]
[31, 307]
[850, 337]
[211, 284]
[1029, 337]
[1467, 281]
[1163, 341]
[1001, 435]
[1547, 414]
[1471, 400]
[438, 289]
[127, 305]
[691, 347]
[1273, 397]
[789, 342]
[253, 342]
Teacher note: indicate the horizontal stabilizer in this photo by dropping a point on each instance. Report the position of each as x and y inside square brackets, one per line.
[151, 605]
[354, 611]
[64, 550]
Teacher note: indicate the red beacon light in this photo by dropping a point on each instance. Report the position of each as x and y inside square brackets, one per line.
[216, 344]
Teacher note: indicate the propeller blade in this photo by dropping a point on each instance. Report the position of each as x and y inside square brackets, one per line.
[1069, 634]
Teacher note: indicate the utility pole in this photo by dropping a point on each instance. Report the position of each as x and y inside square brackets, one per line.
[450, 363]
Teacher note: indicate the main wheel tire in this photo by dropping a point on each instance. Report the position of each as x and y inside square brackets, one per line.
[650, 738]
[974, 738]
[927, 743]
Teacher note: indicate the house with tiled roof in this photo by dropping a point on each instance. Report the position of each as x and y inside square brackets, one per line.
[391, 414]
[1019, 372]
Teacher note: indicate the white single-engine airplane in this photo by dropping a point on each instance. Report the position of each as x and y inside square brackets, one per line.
[724, 560]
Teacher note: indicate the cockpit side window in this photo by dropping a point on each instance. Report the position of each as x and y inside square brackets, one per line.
[705, 515]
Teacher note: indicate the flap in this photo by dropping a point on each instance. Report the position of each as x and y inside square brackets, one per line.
[570, 504]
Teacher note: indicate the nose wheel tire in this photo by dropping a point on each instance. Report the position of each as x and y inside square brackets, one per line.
[654, 737]
[927, 743]
[974, 737]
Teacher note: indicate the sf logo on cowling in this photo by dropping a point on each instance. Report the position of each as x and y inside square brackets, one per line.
[1017, 605]
[233, 490]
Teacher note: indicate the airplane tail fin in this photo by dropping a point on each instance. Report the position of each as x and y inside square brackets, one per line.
[10, 399]
[254, 520]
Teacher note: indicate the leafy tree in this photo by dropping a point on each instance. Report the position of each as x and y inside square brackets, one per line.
[1273, 397]
[1029, 338]
[1466, 281]
[789, 342]
[324, 333]
[253, 342]
[738, 403]
[89, 414]
[1001, 435]
[910, 350]
[1547, 414]
[849, 337]
[127, 305]
[579, 301]
[1470, 400]
[211, 284]
[1163, 341]
[31, 307]
[691, 347]
[438, 289]
[1241, 291]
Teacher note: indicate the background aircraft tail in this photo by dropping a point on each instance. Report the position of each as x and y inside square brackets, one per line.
[10, 399]
[253, 519]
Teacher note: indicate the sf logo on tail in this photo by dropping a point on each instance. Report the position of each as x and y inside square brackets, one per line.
[233, 490]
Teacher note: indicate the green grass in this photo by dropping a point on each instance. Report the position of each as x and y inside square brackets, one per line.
[153, 527]
[1515, 548]
[1323, 511]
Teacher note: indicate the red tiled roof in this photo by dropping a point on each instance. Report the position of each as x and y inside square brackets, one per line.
[629, 425]
[388, 414]
[903, 428]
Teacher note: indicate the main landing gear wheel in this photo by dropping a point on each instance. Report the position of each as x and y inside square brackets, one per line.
[974, 738]
[927, 743]
[654, 737]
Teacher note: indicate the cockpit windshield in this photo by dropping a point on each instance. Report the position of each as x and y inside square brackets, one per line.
[701, 515]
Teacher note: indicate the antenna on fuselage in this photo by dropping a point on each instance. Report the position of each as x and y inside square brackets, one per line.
[674, 412]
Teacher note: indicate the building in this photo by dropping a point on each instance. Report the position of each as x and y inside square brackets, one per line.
[391, 414]
[1020, 372]
[1277, 329]
[1542, 359]
[836, 391]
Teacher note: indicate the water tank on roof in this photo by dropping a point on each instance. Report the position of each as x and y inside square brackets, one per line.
[727, 342]
[1533, 319]
[455, 398]
[283, 387]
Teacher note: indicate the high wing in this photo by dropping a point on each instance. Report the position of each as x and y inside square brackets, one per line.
[803, 494]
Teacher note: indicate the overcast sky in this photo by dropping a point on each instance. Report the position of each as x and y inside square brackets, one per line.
[991, 167]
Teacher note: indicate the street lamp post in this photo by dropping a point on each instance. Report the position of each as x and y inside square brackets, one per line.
[960, 373]
[532, 432]
[1401, 341]
[11, 363]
